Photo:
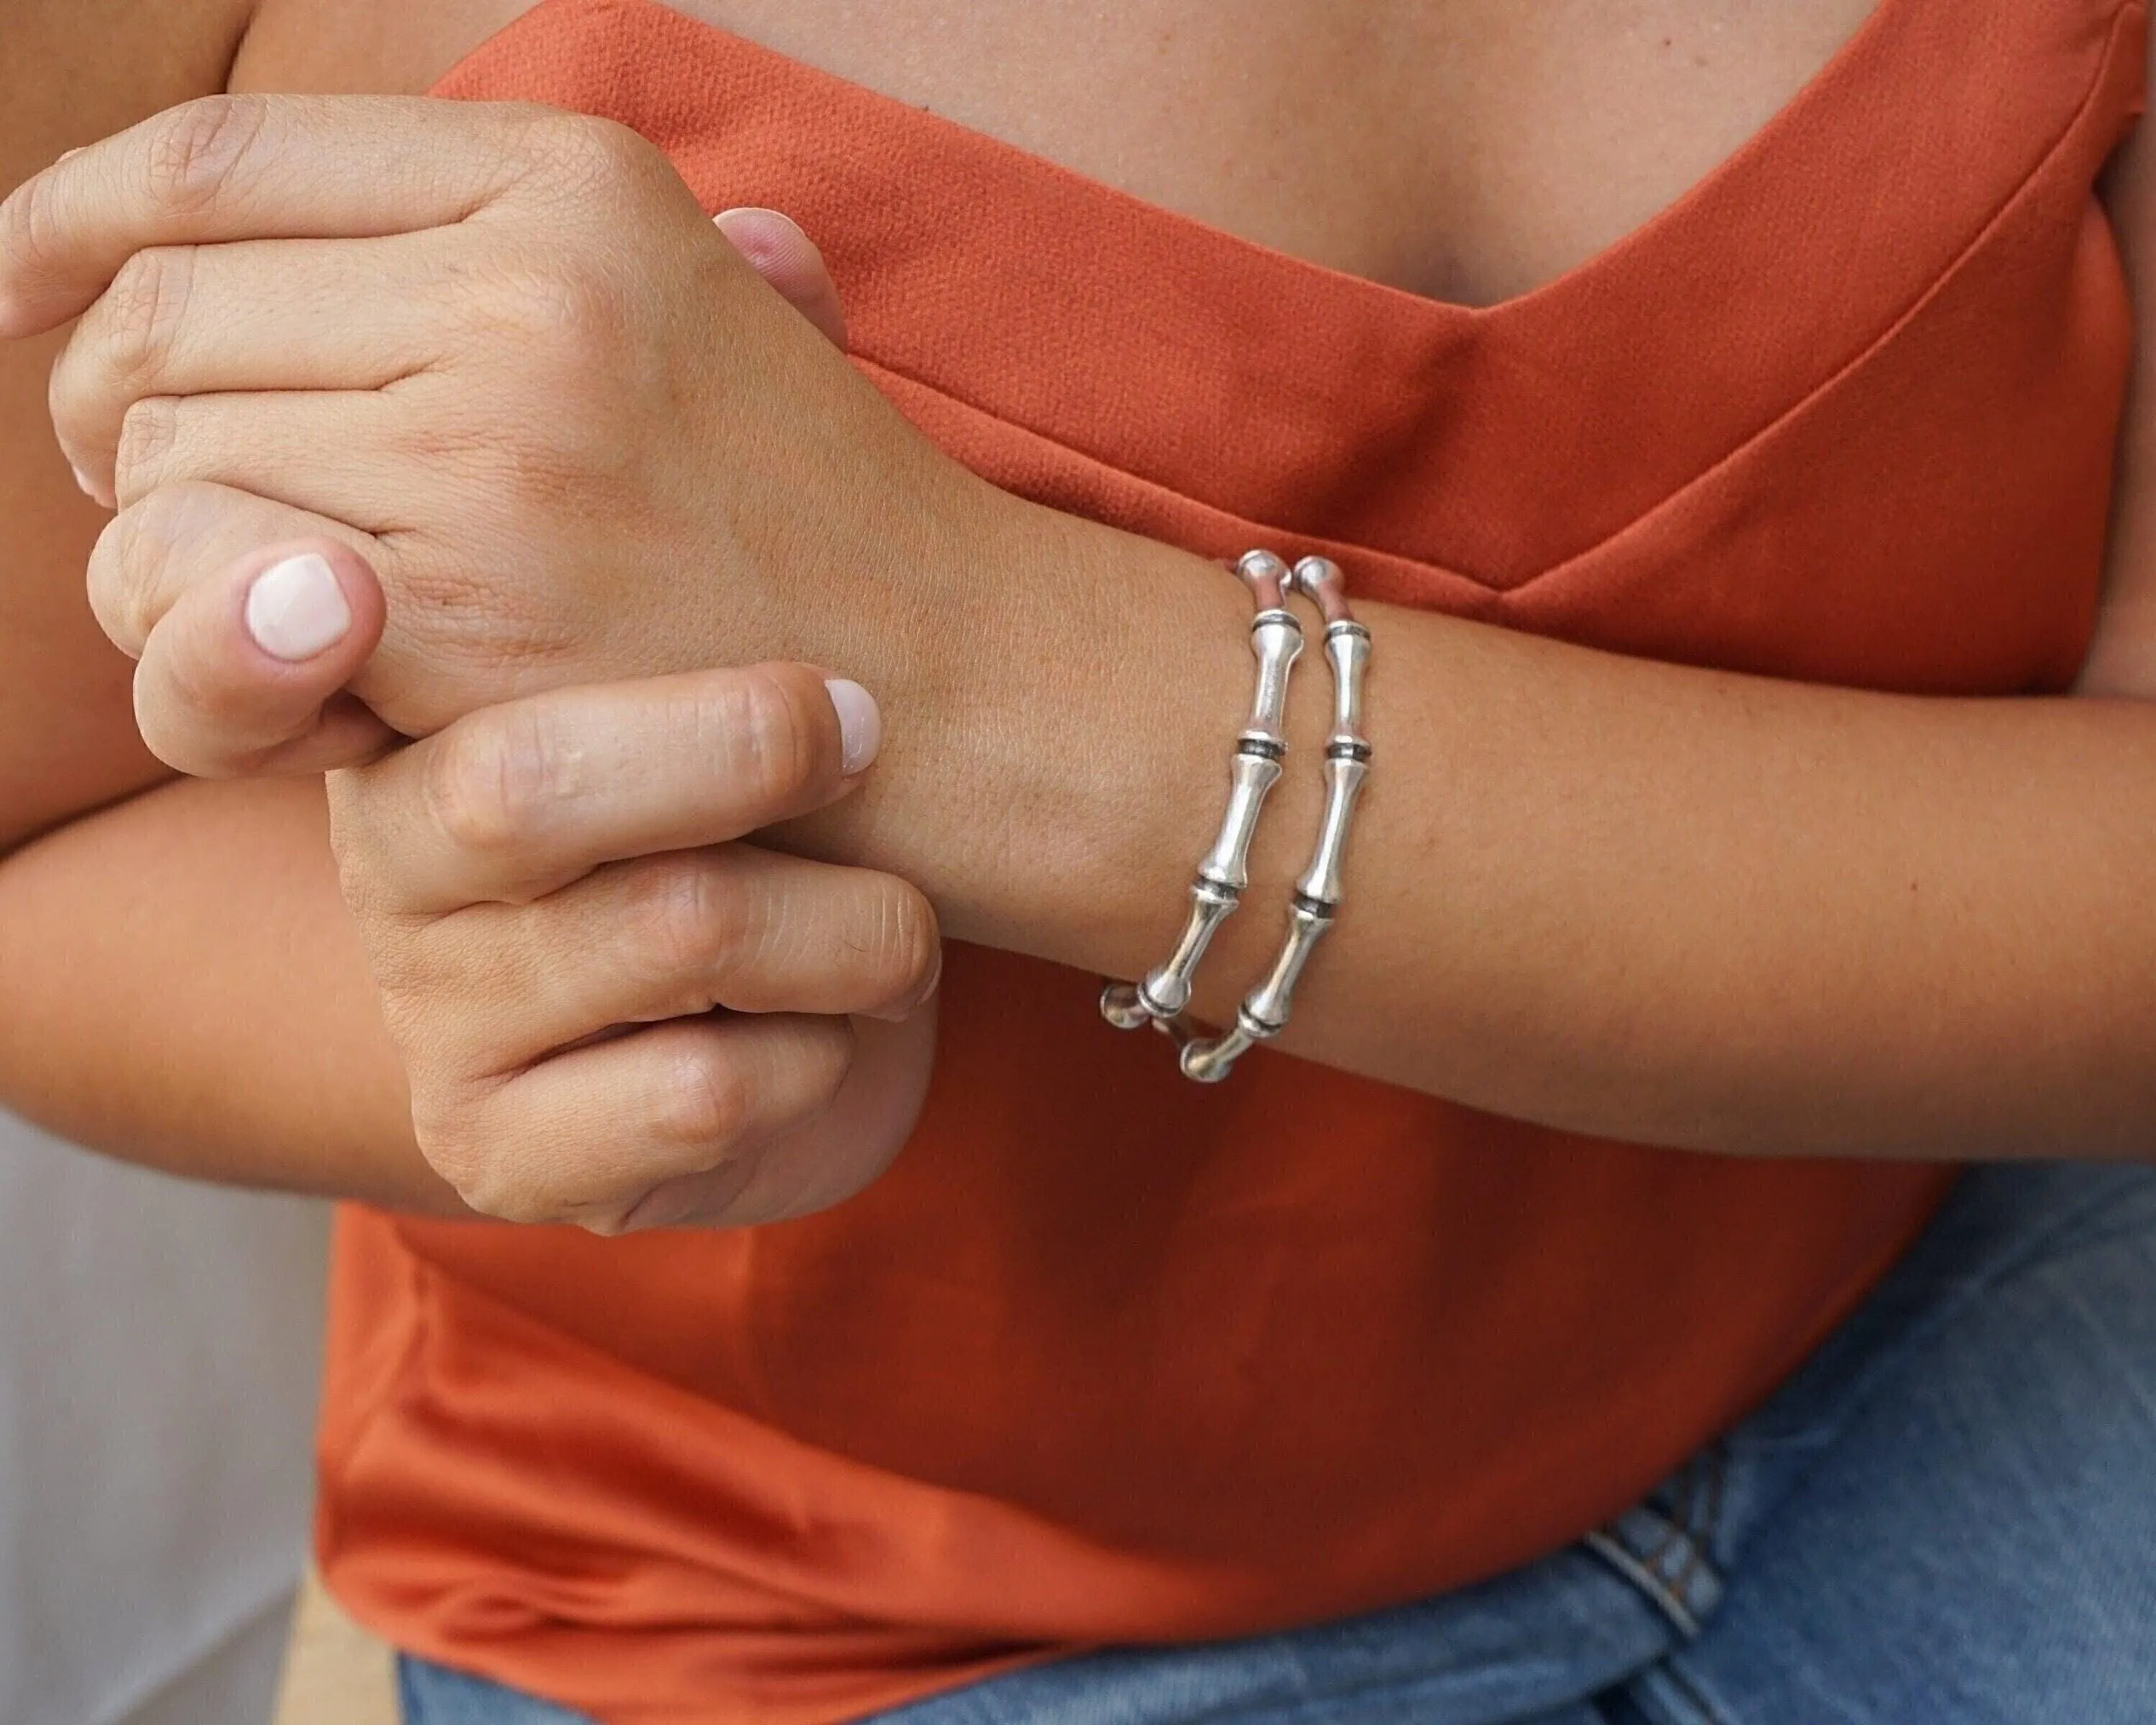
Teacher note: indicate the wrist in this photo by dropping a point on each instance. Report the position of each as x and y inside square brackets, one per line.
[1054, 762]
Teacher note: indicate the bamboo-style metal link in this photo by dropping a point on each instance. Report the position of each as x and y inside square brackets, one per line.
[1222, 873]
[1264, 1012]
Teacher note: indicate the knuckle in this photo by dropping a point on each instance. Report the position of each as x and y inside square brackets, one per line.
[584, 153]
[197, 706]
[503, 1193]
[831, 1056]
[534, 302]
[706, 1104]
[442, 1126]
[568, 320]
[765, 738]
[129, 570]
[679, 927]
[493, 1186]
[159, 724]
[116, 582]
[456, 1145]
[406, 975]
[904, 941]
[138, 324]
[376, 901]
[358, 836]
[827, 1060]
[434, 996]
[490, 783]
[38, 232]
[149, 433]
[194, 151]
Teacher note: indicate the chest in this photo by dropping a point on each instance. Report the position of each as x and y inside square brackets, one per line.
[1469, 150]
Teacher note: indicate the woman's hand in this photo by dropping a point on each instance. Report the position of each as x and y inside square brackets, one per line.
[464, 441]
[500, 354]
[610, 1015]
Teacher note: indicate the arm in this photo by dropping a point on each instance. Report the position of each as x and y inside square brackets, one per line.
[561, 989]
[1635, 899]
[185, 989]
[70, 73]
[1815, 922]
[149, 1008]
[1631, 899]
[183, 984]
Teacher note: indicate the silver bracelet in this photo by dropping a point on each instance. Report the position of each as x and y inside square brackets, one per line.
[1276, 640]
[1264, 1013]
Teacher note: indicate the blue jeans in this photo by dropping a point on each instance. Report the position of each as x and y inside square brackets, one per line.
[1946, 1517]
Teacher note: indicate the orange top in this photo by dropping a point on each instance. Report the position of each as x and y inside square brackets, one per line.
[1108, 1355]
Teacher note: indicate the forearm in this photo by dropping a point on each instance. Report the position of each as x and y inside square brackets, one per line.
[184, 990]
[70, 74]
[1635, 900]
[1639, 901]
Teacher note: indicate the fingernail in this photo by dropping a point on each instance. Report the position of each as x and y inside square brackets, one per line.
[754, 211]
[295, 608]
[860, 724]
[761, 235]
[82, 480]
[935, 982]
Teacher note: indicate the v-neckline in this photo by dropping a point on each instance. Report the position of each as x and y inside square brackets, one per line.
[1830, 72]
[1471, 442]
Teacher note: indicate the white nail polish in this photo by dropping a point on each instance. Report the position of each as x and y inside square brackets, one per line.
[860, 723]
[295, 608]
[752, 214]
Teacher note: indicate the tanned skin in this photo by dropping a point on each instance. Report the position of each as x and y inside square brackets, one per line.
[185, 988]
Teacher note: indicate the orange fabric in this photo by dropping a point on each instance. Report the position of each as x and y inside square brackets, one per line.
[1111, 1357]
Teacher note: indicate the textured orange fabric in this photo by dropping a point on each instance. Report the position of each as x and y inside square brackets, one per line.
[1111, 1357]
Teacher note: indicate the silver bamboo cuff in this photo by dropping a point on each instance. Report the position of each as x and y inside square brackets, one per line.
[1276, 640]
[1264, 1013]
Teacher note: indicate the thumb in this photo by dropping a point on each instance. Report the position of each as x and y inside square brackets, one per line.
[246, 673]
[779, 251]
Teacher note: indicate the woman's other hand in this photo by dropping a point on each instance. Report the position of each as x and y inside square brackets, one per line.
[500, 355]
[612, 1015]
[244, 670]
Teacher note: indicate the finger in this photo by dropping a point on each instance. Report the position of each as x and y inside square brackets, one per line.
[178, 536]
[335, 452]
[377, 459]
[343, 466]
[234, 168]
[785, 256]
[512, 802]
[825, 1160]
[246, 673]
[261, 316]
[672, 937]
[582, 1137]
